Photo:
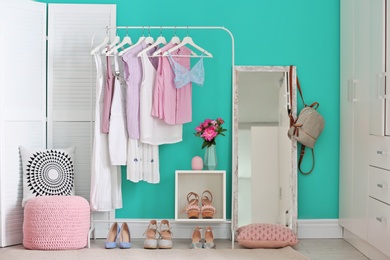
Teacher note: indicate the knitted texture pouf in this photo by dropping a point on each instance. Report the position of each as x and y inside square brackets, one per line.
[56, 223]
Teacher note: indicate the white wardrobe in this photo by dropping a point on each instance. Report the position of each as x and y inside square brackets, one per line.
[364, 210]
[45, 111]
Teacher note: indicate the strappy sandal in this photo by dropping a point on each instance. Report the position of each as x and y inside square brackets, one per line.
[165, 235]
[208, 210]
[151, 235]
[192, 209]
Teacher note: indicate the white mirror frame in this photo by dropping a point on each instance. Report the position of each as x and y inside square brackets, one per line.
[293, 175]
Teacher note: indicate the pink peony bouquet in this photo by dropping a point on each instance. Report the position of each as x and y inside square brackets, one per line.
[209, 130]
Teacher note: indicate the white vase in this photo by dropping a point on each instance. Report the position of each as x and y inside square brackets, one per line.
[210, 158]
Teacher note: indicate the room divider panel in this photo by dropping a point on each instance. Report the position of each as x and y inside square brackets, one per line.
[39, 113]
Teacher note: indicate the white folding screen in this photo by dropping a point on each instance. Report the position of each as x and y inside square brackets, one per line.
[22, 104]
[36, 117]
[71, 84]
[71, 81]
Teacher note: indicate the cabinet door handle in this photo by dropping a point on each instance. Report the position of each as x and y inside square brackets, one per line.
[381, 152]
[381, 85]
[380, 185]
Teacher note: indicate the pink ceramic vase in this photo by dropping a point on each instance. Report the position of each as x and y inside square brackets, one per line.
[197, 163]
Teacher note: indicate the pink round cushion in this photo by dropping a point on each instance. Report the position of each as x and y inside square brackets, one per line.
[56, 223]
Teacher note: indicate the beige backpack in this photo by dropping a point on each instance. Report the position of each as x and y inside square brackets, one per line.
[306, 128]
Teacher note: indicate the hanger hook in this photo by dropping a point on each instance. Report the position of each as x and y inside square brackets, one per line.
[143, 30]
[175, 30]
[127, 30]
[187, 30]
[149, 31]
[160, 30]
[107, 30]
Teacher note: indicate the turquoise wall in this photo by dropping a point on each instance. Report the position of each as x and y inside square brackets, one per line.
[304, 33]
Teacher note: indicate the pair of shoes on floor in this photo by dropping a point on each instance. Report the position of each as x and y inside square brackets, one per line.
[158, 239]
[118, 233]
[193, 211]
[207, 242]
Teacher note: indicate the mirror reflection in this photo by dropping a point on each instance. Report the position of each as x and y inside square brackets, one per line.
[266, 160]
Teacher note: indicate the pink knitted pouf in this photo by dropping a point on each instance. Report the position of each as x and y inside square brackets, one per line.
[56, 223]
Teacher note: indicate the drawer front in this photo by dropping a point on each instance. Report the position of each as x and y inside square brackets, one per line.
[379, 225]
[378, 184]
[379, 151]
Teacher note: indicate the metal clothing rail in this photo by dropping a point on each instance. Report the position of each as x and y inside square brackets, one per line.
[172, 28]
[232, 85]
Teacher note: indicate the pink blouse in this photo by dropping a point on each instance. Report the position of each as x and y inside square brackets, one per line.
[172, 105]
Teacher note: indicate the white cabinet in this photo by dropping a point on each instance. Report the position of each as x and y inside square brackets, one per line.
[354, 89]
[198, 182]
[379, 129]
[364, 147]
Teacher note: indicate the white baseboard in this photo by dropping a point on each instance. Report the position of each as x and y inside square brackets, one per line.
[319, 228]
[307, 228]
[179, 229]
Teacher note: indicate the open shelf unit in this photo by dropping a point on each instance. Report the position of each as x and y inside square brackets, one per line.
[198, 181]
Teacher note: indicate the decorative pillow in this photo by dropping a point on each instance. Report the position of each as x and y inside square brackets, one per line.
[262, 235]
[47, 172]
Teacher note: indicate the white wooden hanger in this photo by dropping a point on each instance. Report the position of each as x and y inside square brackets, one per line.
[140, 39]
[113, 44]
[175, 40]
[103, 44]
[188, 40]
[149, 40]
[126, 40]
[159, 40]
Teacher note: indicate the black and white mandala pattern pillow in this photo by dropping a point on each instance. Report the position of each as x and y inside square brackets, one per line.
[47, 172]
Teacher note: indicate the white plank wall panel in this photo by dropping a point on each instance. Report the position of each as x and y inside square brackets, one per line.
[22, 104]
[71, 70]
[77, 134]
[28, 134]
[71, 80]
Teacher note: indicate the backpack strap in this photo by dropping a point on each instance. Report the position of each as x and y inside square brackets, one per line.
[292, 120]
[315, 105]
[301, 158]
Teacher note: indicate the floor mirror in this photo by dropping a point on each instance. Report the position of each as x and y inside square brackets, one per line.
[264, 158]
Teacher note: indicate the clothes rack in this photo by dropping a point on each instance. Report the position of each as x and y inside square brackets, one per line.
[188, 28]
